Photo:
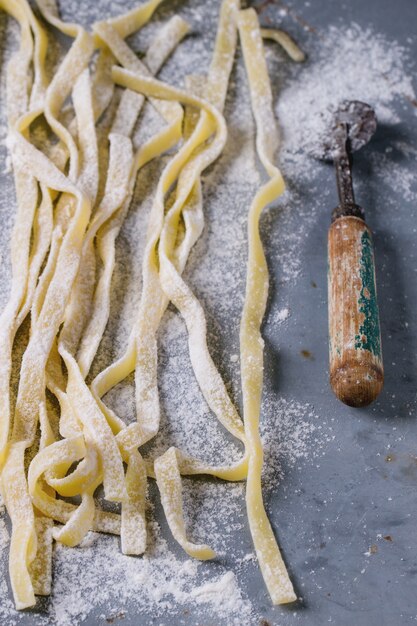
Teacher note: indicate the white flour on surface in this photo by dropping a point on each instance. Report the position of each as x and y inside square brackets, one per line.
[279, 317]
[95, 579]
[338, 73]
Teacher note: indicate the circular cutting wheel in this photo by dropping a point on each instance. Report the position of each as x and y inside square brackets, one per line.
[354, 119]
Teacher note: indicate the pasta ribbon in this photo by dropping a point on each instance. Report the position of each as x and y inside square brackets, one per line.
[168, 479]
[251, 342]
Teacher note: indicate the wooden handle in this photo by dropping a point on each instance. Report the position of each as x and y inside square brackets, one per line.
[356, 369]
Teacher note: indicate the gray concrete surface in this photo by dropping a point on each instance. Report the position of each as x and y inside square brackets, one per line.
[362, 491]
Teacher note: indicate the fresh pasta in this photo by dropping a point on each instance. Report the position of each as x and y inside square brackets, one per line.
[63, 258]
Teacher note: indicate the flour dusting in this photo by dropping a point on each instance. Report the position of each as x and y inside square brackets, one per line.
[95, 580]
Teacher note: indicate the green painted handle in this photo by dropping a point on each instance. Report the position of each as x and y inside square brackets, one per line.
[356, 368]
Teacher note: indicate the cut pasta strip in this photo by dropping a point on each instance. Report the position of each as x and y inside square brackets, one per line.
[40, 569]
[59, 456]
[286, 42]
[251, 342]
[23, 543]
[133, 523]
[132, 21]
[103, 86]
[74, 531]
[40, 81]
[85, 475]
[71, 67]
[42, 233]
[168, 479]
[27, 197]
[18, 85]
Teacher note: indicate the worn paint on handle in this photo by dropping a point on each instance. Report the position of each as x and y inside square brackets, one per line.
[356, 370]
[369, 335]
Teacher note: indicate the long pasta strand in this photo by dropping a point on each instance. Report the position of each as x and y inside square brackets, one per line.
[251, 342]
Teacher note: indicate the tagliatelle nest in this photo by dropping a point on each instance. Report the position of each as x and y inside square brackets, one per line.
[63, 255]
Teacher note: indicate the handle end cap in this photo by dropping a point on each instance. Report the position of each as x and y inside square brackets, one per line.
[358, 385]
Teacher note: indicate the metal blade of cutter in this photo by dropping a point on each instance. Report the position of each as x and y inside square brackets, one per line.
[353, 118]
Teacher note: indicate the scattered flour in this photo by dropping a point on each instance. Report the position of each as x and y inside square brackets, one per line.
[159, 582]
[331, 76]
[96, 580]
[307, 97]
[280, 316]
